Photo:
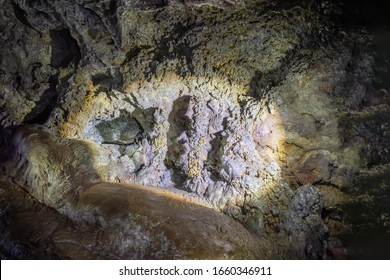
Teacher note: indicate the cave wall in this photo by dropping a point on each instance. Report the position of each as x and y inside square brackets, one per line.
[274, 112]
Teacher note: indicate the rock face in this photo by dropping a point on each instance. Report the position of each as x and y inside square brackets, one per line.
[275, 113]
[125, 221]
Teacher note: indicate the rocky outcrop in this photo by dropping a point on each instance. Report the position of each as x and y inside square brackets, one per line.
[124, 221]
[274, 112]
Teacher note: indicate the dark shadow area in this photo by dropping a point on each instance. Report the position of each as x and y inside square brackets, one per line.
[108, 81]
[178, 124]
[31, 230]
[381, 52]
[370, 236]
[365, 12]
[5, 148]
[213, 163]
[21, 15]
[257, 85]
[368, 214]
[46, 104]
[110, 12]
[64, 49]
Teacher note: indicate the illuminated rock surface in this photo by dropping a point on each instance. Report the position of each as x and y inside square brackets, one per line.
[275, 113]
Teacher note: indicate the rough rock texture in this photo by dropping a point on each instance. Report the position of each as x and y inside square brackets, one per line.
[125, 221]
[273, 112]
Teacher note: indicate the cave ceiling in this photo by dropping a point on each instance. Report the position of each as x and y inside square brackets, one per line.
[169, 129]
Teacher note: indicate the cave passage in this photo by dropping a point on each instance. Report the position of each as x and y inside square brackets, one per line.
[197, 129]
